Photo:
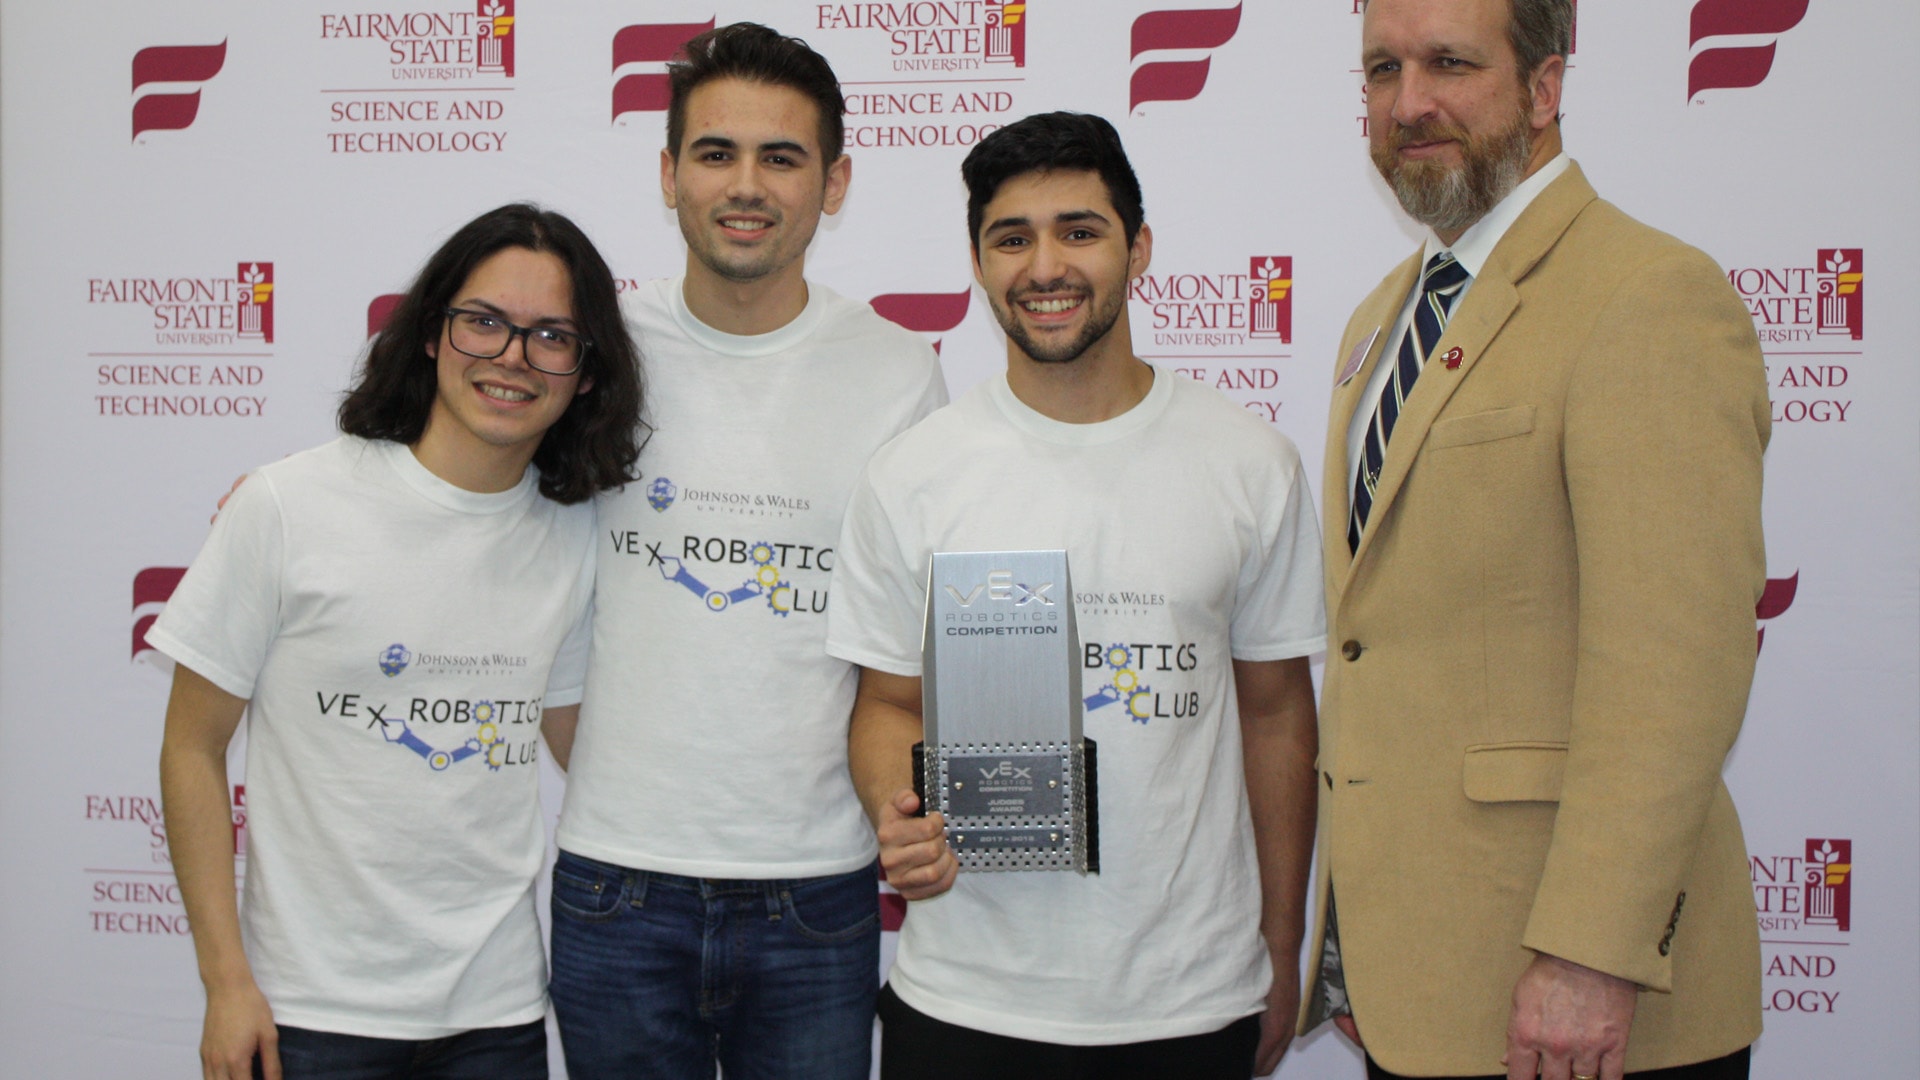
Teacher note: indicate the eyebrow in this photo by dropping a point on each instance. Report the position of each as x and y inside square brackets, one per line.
[547, 320]
[721, 142]
[1066, 217]
[1430, 48]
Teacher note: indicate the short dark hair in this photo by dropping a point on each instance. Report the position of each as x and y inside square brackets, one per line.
[594, 444]
[756, 53]
[1046, 142]
[1538, 29]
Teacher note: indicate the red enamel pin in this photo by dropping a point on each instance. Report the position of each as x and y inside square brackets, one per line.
[1453, 357]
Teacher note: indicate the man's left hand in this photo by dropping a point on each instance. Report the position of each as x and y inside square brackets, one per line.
[1569, 1021]
[1283, 1012]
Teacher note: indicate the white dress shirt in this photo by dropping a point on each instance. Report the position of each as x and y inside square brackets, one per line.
[1471, 250]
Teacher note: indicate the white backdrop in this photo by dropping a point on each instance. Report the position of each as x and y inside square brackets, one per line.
[203, 201]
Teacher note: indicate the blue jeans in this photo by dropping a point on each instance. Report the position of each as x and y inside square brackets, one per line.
[503, 1053]
[660, 975]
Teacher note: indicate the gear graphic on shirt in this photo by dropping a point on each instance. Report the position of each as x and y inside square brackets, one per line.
[1123, 686]
[765, 582]
[486, 740]
[1140, 705]
[773, 596]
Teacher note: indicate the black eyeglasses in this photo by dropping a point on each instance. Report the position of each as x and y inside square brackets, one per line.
[484, 336]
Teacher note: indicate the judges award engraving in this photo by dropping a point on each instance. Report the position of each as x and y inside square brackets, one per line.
[1004, 759]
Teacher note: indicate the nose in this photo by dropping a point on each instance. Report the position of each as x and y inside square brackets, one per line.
[744, 181]
[1048, 264]
[515, 355]
[1413, 98]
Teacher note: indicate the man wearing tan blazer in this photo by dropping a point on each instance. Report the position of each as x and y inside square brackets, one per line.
[1543, 553]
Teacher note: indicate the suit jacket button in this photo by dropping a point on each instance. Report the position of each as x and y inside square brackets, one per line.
[1351, 650]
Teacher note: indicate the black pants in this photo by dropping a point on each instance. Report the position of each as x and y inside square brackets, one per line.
[915, 1046]
[1731, 1067]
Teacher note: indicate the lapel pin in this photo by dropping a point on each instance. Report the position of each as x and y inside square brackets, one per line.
[1355, 358]
[1453, 358]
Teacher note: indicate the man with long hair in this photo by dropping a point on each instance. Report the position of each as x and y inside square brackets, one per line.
[387, 609]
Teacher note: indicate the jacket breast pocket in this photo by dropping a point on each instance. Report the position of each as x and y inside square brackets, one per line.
[1515, 772]
[1481, 427]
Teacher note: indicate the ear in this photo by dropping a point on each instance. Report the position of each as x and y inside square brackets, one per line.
[586, 384]
[668, 190]
[977, 276]
[839, 175]
[1140, 256]
[1543, 92]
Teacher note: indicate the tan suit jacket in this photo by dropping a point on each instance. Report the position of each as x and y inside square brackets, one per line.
[1540, 654]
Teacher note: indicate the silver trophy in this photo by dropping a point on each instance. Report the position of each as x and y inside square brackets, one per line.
[1004, 758]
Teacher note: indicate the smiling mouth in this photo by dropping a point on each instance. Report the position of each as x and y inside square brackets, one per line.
[503, 393]
[1052, 306]
[745, 225]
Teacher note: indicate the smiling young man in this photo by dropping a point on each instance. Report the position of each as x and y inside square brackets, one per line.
[1543, 517]
[1191, 538]
[715, 897]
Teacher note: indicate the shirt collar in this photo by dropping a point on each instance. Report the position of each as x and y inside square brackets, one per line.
[1475, 246]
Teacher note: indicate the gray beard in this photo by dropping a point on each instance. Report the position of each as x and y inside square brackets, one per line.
[1454, 200]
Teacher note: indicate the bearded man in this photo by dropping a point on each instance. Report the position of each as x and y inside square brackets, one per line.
[1543, 550]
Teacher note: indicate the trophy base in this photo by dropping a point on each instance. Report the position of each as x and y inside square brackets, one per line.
[1027, 807]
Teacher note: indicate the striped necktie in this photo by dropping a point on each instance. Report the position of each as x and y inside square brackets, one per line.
[1442, 281]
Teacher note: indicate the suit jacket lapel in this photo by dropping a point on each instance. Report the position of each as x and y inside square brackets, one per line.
[1375, 317]
[1472, 329]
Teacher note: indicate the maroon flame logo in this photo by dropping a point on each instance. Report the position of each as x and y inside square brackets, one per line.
[1736, 67]
[172, 64]
[1177, 80]
[649, 43]
[154, 585]
[927, 313]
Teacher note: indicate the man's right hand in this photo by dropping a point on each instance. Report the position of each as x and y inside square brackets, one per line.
[913, 850]
[239, 1025]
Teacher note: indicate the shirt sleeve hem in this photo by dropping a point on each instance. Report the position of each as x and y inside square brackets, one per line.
[874, 660]
[1282, 651]
[186, 656]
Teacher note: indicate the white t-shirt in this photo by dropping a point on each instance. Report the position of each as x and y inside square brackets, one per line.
[1191, 540]
[394, 634]
[713, 737]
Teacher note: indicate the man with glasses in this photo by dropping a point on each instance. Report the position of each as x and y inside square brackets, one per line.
[715, 896]
[485, 335]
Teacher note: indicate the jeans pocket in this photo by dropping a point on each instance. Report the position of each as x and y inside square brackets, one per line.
[833, 910]
[586, 890]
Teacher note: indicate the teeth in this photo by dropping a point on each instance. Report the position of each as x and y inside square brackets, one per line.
[1051, 307]
[501, 393]
[744, 226]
